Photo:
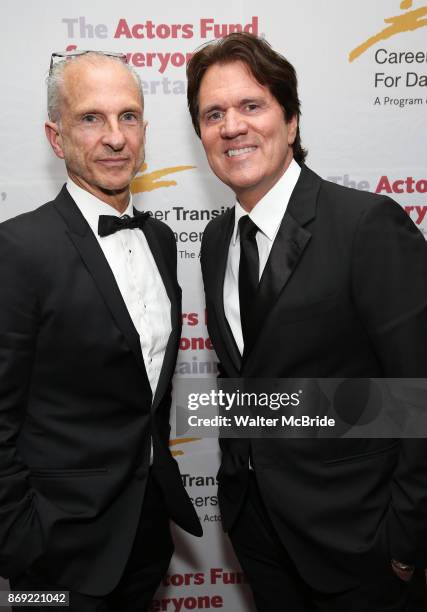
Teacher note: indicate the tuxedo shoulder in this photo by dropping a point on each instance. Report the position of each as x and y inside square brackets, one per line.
[163, 232]
[26, 240]
[160, 227]
[217, 224]
[31, 222]
[349, 206]
[353, 198]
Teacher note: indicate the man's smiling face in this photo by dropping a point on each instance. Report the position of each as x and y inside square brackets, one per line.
[243, 129]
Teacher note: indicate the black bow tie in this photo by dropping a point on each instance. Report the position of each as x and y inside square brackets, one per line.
[109, 224]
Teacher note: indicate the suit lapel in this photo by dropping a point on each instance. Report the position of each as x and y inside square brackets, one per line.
[93, 258]
[289, 245]
[173, 291]
[219, 256]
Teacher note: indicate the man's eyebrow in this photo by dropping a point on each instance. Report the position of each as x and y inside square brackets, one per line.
[217, 106]
[93, 110]
[252, 100]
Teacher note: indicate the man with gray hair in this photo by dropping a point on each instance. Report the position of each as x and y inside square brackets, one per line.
[89, 332]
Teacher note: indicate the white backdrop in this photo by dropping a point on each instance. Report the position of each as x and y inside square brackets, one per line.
[363, 86]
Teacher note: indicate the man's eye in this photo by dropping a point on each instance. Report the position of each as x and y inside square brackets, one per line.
[252, 106]
[129, 117]
[90, 118]
[214, 116]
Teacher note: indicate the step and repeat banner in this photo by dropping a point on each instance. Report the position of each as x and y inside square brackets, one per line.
[362, 69]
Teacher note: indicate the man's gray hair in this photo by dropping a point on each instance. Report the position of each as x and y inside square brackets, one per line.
[55, 80]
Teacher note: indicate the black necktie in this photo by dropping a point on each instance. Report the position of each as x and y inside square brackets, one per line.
[248, 273]
[109, 224]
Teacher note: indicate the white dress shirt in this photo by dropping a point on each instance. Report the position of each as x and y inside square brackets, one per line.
[267, 216]
[139, 281]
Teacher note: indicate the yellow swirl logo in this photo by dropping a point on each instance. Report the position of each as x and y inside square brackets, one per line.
[407, 22]
[148, 181]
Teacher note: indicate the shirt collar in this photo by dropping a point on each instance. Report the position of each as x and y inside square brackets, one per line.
[92, 207]
[268, 213]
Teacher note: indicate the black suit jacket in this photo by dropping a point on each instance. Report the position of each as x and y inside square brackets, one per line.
[343, 295]
[76, 409]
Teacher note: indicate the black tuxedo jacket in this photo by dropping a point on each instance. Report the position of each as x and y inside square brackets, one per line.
[76, 409]
[343, 295]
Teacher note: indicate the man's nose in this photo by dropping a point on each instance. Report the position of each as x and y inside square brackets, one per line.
[233, 124]
[113, 135]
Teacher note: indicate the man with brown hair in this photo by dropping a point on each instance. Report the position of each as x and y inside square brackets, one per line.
[304, 278]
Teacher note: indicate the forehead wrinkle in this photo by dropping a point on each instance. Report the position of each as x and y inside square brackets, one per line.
[222, 86]
[91, 76]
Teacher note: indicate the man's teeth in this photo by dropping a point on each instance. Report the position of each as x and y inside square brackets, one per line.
[234, 152]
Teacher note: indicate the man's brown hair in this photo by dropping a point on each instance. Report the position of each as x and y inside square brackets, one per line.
[267, 66]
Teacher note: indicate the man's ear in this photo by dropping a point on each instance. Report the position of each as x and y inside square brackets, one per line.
[54, 137]
[292, 129]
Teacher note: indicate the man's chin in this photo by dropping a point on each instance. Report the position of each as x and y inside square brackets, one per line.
[114, 188]
[114, 181]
